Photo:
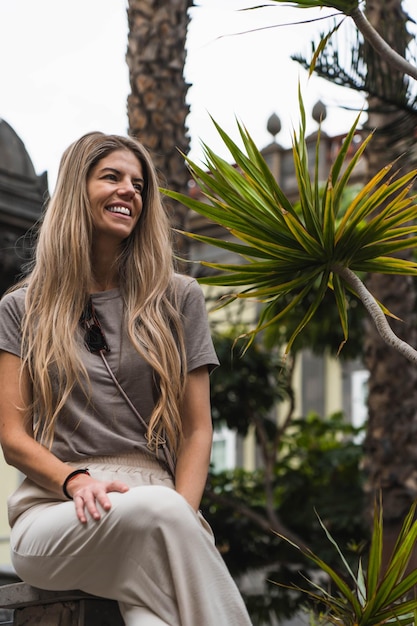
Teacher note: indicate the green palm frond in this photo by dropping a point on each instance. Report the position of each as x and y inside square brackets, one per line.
[376, 595]
[294, 249]
[345, 6]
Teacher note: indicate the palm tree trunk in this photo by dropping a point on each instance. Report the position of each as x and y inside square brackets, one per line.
[391, 441]
[157, 108]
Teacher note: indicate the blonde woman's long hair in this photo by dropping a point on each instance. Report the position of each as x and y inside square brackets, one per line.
[58, 290]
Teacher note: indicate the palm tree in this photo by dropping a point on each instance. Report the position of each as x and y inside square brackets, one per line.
[157, 108]
[392, 112]
[391, 440]
[380, 68]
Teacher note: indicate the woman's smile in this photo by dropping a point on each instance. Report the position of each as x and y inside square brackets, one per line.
[119, 209]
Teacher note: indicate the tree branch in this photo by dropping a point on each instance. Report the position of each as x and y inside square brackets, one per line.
[261, 521]
[379, 44]
[376, 313]
[269, 452]
[289, 413]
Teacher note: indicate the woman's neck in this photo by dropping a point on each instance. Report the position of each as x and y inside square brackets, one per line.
[105, 273]
[103, 284]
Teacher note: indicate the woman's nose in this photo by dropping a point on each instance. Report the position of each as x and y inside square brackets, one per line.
[126, 188]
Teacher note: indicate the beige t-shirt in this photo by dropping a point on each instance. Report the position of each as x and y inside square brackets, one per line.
[105, 425]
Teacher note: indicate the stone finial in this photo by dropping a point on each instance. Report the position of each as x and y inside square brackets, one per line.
[273, 125]
[319, 112]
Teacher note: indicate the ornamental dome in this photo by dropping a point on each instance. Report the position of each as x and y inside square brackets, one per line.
[14, 158]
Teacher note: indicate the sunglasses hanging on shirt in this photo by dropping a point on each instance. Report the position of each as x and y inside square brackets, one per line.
[94, 338]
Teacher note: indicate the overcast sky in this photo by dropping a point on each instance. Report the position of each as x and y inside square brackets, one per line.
[63, 72]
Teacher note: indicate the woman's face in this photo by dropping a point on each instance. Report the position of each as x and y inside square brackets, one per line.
[114, 187]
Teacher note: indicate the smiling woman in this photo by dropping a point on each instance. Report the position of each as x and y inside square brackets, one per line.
[105, 356]
[114, 188]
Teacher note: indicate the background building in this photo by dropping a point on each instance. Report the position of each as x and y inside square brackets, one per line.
[22, 195]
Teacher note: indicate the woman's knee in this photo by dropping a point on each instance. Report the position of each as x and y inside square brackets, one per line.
[154, 504]
[168, 510]
[167, 504]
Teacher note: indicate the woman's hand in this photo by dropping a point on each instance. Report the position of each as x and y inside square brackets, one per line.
[87, 492]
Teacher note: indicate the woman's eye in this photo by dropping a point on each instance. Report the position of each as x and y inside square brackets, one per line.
[138, 187]
[110, 177]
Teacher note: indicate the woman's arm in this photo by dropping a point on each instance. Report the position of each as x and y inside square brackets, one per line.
[194, 454]
[30, 457]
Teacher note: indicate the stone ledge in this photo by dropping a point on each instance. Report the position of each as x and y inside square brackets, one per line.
[32, 606]
[21, 595]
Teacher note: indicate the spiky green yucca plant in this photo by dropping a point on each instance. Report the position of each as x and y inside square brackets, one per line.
[288, 252]
[375, 595]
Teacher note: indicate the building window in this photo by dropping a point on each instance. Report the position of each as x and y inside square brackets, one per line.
[359, 383]
[223, 454]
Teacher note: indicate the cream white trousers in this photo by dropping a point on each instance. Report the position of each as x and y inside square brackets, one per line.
[151, 552]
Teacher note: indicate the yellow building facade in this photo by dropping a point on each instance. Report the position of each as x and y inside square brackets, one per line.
[9, 481]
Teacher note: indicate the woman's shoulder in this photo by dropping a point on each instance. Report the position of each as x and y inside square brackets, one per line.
[14, 300]
[12, 310]
[185, 285]
[183, 281]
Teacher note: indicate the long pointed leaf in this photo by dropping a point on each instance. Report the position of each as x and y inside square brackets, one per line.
[341, 184]
[340, 295]
[375, 552]
[352, 211]
[310, 311]
[342, 154]
[303, 237]
[329, 221]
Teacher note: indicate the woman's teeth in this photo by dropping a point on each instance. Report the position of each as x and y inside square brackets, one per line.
[118, 209]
